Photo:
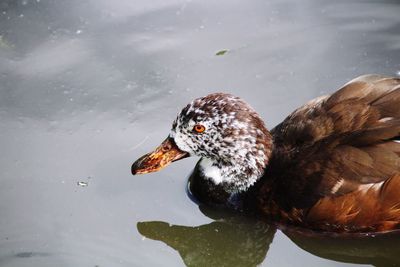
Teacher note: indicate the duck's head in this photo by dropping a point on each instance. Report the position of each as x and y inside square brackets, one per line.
[228, 135]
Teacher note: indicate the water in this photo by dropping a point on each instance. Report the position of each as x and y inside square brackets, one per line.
[89, 86]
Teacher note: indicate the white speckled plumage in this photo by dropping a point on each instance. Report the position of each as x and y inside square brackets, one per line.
[233, 146]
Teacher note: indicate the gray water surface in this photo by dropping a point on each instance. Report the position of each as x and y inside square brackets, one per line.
[86, 87]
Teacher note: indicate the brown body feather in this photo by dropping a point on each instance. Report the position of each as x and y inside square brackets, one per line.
[335, 166]
[376, 208]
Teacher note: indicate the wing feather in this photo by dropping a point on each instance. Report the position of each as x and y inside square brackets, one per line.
[334, 144]
[374, 208]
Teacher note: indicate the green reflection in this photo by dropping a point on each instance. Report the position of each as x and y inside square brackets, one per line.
[233, 242]
[3, 43]
[379, 250]
[237, 241]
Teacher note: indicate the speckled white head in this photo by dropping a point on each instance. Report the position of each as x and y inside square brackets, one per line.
[235, 145]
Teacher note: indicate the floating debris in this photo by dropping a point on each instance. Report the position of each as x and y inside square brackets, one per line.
[221, 52]
[83, 184]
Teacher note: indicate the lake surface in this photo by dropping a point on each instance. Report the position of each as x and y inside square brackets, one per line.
[86, 87]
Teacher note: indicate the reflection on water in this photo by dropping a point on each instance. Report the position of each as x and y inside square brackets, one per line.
[379, 250]
[237, 241]
[231, 242]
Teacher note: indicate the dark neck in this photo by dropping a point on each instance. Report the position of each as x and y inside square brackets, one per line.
[216, 195]
[205, 191]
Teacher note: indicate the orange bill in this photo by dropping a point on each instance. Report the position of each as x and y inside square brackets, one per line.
[162, 156]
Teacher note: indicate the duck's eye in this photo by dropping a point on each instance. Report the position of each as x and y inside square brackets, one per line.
[198, 128]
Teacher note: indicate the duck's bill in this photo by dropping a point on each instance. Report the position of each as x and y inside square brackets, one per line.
[162, 156]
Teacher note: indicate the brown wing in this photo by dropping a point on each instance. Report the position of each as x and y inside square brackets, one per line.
[336, 143]
[361, 104]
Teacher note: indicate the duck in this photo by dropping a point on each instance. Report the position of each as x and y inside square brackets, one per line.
[332, 165]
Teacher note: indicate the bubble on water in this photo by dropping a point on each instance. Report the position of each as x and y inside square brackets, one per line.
[82, 184]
